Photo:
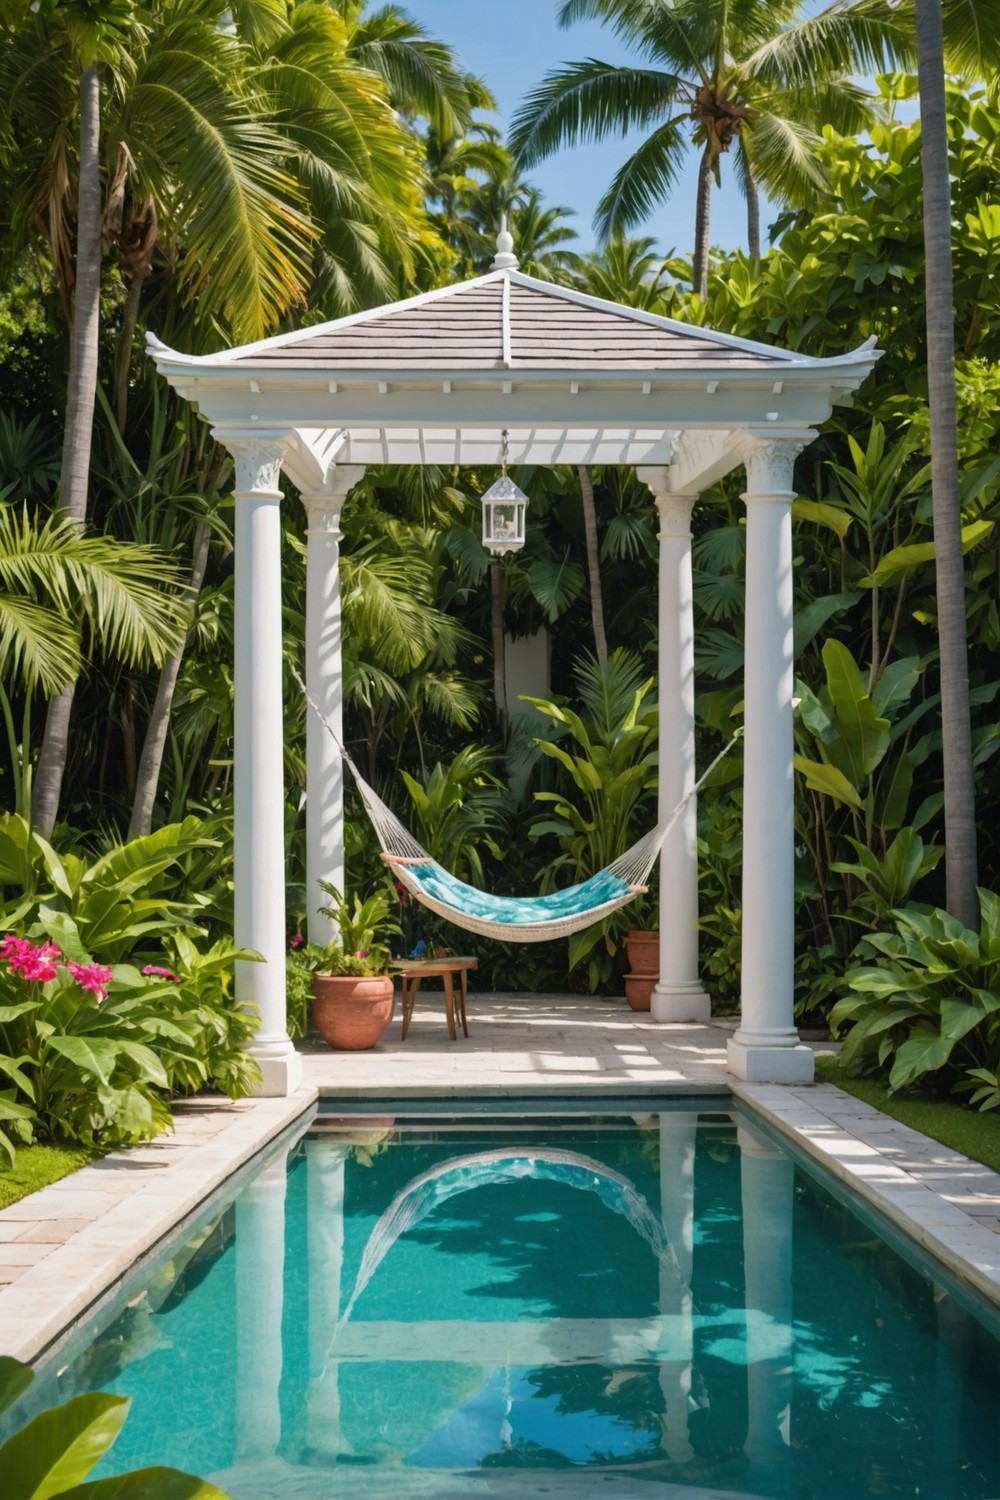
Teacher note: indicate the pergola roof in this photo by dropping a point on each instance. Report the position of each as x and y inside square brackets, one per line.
[574, 378]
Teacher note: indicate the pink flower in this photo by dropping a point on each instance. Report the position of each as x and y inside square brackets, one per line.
[92, 977]
[30, 960]
[296, 941]
[162, 973]
[363, 953]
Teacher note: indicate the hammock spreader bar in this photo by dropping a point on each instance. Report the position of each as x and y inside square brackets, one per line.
[528, 919]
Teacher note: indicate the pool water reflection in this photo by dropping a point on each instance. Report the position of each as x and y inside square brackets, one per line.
[624, 1305]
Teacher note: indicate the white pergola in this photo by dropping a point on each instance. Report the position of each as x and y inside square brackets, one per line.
[575, 380]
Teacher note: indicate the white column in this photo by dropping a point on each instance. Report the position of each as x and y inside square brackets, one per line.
[260, 1281]
[767, 1179]
[678, 995]
[766, 1047]
[678, 1135]
[259, 802]
[325, 1166]
[324, 680]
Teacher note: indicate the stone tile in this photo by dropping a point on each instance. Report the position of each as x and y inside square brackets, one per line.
[20, 1253]
[52, 1231]
[12, 1229]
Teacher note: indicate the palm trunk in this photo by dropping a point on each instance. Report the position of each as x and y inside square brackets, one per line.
[498, 593]
[130, 316]
[81, 392]
[155, 743]
[702, 223]
[753, 211]
[593, 565]
[959, 784]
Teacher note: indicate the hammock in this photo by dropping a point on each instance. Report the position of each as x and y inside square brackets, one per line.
[528, 919]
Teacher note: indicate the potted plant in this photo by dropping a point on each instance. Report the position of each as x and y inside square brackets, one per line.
[352, 991]
[642, 945]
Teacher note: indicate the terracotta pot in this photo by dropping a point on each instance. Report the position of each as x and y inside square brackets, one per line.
[639, 990]
[643, 949]
[352, 1014]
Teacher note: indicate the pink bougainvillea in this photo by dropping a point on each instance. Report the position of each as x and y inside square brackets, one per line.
[30, 960]
[156, 972]
[92, 977]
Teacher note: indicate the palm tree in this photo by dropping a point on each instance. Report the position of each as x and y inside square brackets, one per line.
[714, 75]
[973, 45]
[64, 593]
[246, 156]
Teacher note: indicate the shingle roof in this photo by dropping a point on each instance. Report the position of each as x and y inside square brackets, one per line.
[463, 329]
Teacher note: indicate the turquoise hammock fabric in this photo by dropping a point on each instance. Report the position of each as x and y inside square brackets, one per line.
[509, 911]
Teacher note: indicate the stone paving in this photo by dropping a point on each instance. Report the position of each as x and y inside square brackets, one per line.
[65, 1247]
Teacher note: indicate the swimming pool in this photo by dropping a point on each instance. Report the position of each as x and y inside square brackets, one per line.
[646, 1301]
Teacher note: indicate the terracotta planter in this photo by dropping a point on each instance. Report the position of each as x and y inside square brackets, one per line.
[639, 990]
[352, 1014]
[643, 949]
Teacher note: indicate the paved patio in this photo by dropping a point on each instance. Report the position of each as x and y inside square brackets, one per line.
[527, 1044]
[65, 1248]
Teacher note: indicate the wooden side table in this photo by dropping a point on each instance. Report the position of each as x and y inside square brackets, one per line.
[413, 971]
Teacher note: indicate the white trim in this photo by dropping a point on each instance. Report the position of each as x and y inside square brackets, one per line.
[505, 322]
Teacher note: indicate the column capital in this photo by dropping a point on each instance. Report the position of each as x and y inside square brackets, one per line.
[674, 508]
[323, 506]
[769, 458]
[675, 515]
[258, 458]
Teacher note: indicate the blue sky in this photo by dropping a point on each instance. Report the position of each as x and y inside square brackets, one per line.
[512, 45]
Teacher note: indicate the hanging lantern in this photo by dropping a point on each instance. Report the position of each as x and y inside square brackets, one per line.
[504, 507]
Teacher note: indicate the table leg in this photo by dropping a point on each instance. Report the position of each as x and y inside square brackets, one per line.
[410, 986]
[463, 981]
[449, 1005]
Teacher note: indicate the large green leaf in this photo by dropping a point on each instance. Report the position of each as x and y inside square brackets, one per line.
[835, 517]
[827, 779]
[864, 734]
[15, 1379]
[149, 1484]
[813, 616]
[95, 1056]
[924, 1052]
[58, 1448]
[900, 562]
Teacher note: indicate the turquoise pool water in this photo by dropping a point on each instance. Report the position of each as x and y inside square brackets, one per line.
[642, 1304]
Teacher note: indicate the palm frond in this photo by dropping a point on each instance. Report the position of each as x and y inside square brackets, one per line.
[217, 172]
[587, 101]
[420, 74]
[842, 40]
[972, 36]
[38, 647]
[646, 180]
[785, 157]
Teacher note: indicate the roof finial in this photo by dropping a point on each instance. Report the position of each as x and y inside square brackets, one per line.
[505, 259]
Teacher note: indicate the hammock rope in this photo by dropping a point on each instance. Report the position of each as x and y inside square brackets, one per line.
[528, 919]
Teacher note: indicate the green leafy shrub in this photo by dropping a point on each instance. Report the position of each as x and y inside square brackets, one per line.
[94, 1052]
[927, 1008]
[52, 1454]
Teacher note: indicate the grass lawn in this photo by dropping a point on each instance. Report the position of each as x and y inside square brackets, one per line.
[38, 1165]
[954, 1125]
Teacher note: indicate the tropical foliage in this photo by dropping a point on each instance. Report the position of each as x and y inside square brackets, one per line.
[232, 170]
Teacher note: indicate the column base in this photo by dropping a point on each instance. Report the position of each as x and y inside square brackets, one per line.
[280, 1070]
[770, 1064]
[680, 1000]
